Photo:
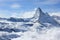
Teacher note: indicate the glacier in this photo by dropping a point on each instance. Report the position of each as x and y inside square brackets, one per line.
[41, 26]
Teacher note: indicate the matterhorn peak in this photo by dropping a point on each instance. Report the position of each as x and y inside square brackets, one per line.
[38, 10]
[43, 18]
[38, 14]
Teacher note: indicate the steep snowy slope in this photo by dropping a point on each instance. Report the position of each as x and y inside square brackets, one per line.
[44, 18]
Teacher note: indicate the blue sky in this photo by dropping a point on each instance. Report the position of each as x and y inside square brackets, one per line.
[14, 7]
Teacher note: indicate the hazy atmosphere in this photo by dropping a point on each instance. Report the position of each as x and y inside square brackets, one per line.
[14, 8]
[29, 19]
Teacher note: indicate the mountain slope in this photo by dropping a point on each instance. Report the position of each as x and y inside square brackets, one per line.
[43, 18]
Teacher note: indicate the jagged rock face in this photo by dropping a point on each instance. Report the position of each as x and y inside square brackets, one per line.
[45, 18]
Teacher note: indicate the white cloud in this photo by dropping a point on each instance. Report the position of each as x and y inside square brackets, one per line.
[5, 13]
[16, 15]
[50, 34]
[15, 6]
[55, 13]
[29, 14]
[26, 14]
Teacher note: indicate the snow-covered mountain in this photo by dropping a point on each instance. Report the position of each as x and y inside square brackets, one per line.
[44, 18]
[17, 27]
